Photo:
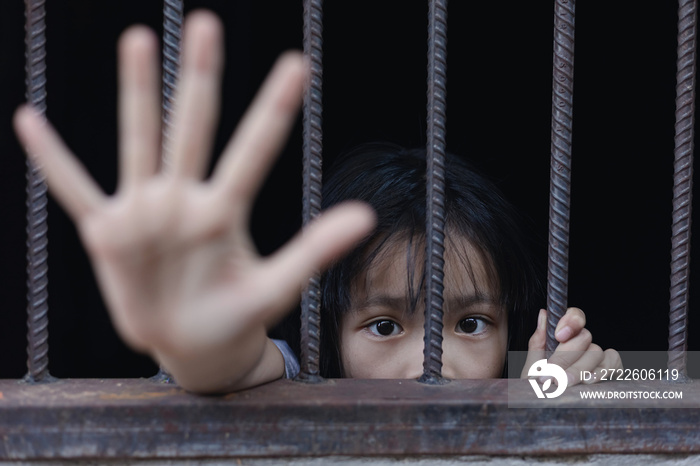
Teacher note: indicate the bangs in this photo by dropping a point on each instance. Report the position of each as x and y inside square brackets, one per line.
[465, 266]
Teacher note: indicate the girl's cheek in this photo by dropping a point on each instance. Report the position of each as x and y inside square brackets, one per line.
[465, 358]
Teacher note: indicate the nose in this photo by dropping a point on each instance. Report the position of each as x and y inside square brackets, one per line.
[414, 369]
[413, 357]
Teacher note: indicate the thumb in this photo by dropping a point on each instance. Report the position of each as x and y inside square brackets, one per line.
[536, 345]
[326, 239]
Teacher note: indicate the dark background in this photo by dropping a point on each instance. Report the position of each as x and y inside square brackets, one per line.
[499, 105]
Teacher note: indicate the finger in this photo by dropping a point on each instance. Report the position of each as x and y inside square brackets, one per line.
[536, 345]
[263, 131]
[69, 182]
[139, 105]
[611, 361]
[571, 351]
[333, 234]
[589, 360]
[570, 324]
[197, 101]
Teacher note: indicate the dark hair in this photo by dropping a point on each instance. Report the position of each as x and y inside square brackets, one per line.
[392, 180]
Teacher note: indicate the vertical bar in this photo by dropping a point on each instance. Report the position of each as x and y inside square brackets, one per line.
[37, 225]
[560, 172]
[682, 187]
[311, 199]
[435, 195]
[172, 38]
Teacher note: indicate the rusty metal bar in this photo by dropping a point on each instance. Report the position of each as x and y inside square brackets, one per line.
[560, 172]
[173, 17]
[311, 197]
[435, 192]
[37, 212]
[172, 38]
[140, 419]
[682, 186]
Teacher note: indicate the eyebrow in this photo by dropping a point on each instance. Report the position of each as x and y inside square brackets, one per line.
[456, 302]
[462, 301]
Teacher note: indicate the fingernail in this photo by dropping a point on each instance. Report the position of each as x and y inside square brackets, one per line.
[563, 334]
[541, 320]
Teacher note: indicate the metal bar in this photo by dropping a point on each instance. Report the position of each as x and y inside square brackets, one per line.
[172, 38]
[560, 172]
[682, 186]
[173, 17]
[435, 192]
[311, 197]
[37, 212]
[139, 419]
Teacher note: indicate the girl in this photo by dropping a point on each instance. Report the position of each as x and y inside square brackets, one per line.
[374, 298]
[182, 279]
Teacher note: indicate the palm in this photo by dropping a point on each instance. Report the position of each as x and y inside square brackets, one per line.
[159, 252]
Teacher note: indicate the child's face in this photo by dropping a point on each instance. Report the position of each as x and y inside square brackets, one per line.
[380, 338]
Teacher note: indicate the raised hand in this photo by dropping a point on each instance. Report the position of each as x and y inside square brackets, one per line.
[576, 351]
[172, 252]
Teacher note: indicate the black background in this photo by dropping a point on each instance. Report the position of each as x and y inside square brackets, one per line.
[499, 106]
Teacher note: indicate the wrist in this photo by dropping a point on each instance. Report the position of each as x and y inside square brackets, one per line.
[225, 368]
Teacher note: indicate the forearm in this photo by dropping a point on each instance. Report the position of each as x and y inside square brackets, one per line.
[227, 368]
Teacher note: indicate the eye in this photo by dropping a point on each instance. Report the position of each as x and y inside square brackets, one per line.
[384, 328]
[472, 325]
